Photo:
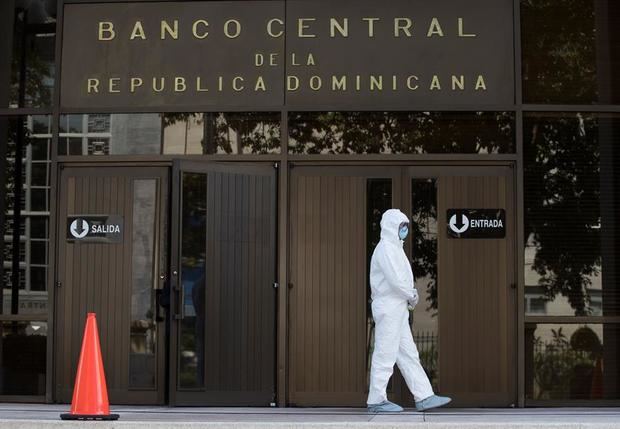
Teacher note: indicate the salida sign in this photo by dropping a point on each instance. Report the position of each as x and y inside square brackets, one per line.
[95, 228]
[476, 223]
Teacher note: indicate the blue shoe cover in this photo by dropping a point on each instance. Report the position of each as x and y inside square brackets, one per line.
[384, 407]
[432, 402]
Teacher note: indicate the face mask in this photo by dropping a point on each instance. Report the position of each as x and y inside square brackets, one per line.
[403, 232]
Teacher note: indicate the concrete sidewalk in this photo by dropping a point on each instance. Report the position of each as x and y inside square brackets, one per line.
[22, 416]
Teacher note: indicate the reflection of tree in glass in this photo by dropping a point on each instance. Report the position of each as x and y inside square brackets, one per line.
[194, 218]
[400, 132]
[32, 69]
[559, 58]
[424, 236]
[562, 196]
[247, 132]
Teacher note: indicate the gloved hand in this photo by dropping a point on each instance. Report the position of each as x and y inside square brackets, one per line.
[414, 301]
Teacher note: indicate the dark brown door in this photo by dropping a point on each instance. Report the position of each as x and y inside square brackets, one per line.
[334, 224]
[223, 275]
[472, 293]
[118, 279]
[464, 324]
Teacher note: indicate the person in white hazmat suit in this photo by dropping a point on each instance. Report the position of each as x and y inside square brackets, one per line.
[393, 295]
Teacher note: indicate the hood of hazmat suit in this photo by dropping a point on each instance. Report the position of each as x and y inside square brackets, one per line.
[391, 277]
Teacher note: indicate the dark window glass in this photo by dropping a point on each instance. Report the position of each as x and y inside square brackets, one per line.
[143, 330]
[24, 253]
[578, 362]
[379, 194]
[572, 183]
[193, 277]
[24, 350]
[39, 174]
[37, 283]
[400, 132]
[171, 133]
[75, 145]
[38, 227]
[41, 124]
[38, 252]
[40, 149]
[423, 241]
[32, 54]
[571, 51]
[75, 124]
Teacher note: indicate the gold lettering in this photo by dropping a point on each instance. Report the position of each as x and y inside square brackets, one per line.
[205, 24]
[199, 87]
[462, 32]
[93, 84]
[310, 61]
[435, 83]
[358, 82]
[106, 27]
[343, 28]
[172, 31]
[137, 31]
[237, 28]
[135, 83]
[402, 24]
[260, 84]
[371, 25]
[220, 83]
[434, 28]
[410, 79]
[394, 85]
[162, 85]
[339, 84]
[259, 60]
[235, 86]
[292, 83]
[270, 28]
[301, 26]
[294, 60]
[112, 84]
[480, 83]
[315, 83]
[179, 84]
[376, 83]
[273, 59]
[458, 82]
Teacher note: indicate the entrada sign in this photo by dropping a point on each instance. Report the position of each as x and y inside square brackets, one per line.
[476, 223]
[95, 228]
[350, 54]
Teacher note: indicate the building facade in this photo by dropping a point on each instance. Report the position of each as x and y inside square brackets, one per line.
[209, 176]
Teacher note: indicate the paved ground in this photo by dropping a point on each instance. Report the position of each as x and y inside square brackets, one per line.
[14, 416]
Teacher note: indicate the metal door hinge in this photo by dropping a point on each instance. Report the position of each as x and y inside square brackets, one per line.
[58, 284]
[276, 285]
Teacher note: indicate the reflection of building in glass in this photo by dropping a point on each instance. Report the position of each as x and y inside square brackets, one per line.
[537, 302]
[33, 215]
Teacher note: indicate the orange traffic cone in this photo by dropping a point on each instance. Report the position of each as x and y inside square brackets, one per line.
[90, 394]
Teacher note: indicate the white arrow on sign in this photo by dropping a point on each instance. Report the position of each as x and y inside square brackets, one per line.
[459, 227]
[79, 228]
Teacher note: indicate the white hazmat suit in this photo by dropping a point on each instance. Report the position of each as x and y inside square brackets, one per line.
[392, 287]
